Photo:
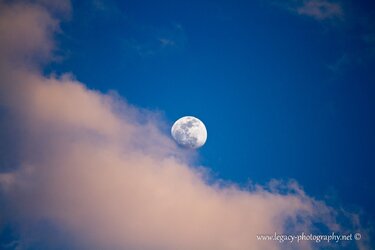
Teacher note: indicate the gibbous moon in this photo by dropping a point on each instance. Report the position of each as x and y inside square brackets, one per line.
[189, 132]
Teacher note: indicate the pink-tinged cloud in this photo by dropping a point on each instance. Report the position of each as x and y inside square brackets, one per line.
[104, 172]
[321, 10]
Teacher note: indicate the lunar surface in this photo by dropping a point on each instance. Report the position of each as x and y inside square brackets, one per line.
[189, 132]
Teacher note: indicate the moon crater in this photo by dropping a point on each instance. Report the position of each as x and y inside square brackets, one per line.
[189, 132]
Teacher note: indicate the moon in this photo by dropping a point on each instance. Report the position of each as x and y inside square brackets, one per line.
[189, 132]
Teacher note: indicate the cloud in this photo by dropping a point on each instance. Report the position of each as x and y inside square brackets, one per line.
[318, 9]
[62, 7]
[349, 23]
[28, 23]
[166, 42]
[150, 41]
[94, 172]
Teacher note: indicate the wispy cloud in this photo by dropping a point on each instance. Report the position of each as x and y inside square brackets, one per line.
[151, 41]
[167, 42]
[320, 10]
[99, 173]
[352, 25]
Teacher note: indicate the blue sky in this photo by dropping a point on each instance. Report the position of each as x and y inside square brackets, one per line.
[283, 94]
[286, 89]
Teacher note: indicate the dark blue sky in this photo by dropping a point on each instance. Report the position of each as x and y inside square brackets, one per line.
[285, 92]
